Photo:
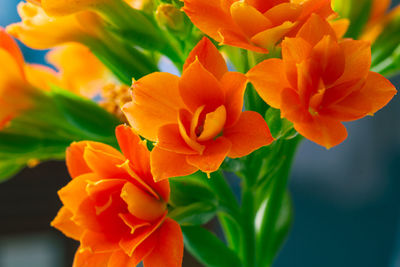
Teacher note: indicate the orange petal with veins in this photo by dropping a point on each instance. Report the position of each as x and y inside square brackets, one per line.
[105, 161]
[86, 258]
[132, 242]
[168, 250]
[155, 102]
[249, 133]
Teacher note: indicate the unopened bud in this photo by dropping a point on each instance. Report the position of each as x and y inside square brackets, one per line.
[171, 17]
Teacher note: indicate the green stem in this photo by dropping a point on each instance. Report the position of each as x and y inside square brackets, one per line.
[226, 198]
[142, 30]
[247, 252]
[265, 242]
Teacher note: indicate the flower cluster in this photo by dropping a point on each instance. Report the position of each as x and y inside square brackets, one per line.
[117, 203]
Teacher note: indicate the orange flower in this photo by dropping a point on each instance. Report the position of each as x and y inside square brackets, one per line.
[197, 119]
[17, 80]
[115, 209]
[67, 7]
[80, 70]
[39, 31]
[320, 82]
[253, 24]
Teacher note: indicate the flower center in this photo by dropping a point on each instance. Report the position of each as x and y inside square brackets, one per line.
[209, 127]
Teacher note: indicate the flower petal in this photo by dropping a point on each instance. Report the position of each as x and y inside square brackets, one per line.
[64, 223]
[98, 242]
[330, 58]
[213, 124]
[156, 102]
[121, 259]
[212, 157]
[105, 161]
[170, 138]
[209, 16]
[166, 164]
[234, 86]
[323, 131]
[130, 243]
[283, 12]
[169, 248]
[270, 37]
[268, 78]
[76, 164]
[249, 133]
[141, 204]
[74, 193]
[86, 258]
[209, 57]
[233, 38]
[134, 149]
[10, 46]
[374, 95]
[292, 108]
[199, 87]
[249, 19]
[187, 123]
[139, 161]
[357, 60]
[314, 29]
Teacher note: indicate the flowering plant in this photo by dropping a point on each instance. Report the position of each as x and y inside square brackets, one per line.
[151, 153]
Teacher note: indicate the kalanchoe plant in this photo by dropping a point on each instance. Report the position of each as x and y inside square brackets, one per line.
[140, 191]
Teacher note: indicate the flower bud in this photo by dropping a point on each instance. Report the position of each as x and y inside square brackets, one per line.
[171, 17]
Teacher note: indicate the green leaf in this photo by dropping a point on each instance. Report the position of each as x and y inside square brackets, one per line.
[92, 121]
[279, 127]
[198, 213]
[274, 121]
[190, 189]
[208, 249]
[359, 14]
[8, 169]
[275, 203]
[281, 227]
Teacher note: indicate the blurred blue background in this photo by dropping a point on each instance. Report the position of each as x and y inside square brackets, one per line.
[346, 200]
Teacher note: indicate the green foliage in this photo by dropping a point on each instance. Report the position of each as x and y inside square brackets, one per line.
[44, 132]
[386, 49]
[192, 201]
[357, 11]
[279, 127]
[208, 249]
